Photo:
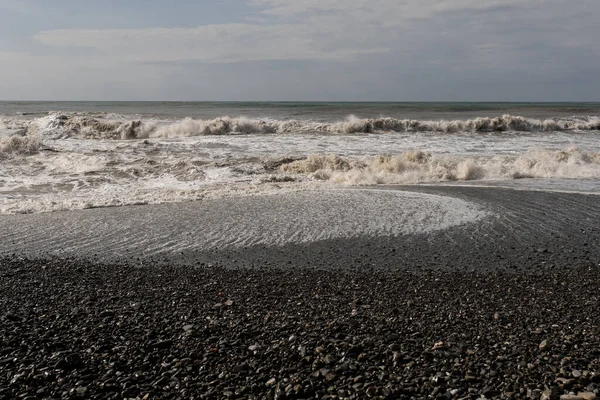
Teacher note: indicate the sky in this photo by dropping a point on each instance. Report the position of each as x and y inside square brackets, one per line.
[300, 50]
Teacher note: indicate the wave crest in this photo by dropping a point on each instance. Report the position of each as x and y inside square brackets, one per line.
[80, 126]
[59, 126]
[19, 146]
[217, 126]
[482, 124]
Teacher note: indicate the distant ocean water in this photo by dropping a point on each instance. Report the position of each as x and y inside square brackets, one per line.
[71, 155]
[315, 111]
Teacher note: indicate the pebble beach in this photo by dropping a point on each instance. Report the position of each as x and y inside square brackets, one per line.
[501, 308]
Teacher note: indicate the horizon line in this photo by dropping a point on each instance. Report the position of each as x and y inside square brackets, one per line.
[313, 101]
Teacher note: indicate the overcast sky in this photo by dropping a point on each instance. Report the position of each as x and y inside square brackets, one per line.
[349, 50]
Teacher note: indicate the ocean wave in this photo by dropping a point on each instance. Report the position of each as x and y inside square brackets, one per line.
[60, 126]
[82, 126]
[11, 124]
[77, 174]
[420, 167]
[18, 146]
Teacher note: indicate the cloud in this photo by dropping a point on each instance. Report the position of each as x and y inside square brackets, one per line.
[402, 48]
[385, 11]
[337, 30]
[208, 43]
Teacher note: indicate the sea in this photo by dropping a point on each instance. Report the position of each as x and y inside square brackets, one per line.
[77, 155]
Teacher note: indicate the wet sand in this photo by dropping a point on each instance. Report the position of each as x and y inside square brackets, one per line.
[503, 307]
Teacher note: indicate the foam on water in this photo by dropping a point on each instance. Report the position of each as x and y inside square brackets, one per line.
[271, 220]
[418, 167]
[73, 125]
[63, 161]
[15, 146]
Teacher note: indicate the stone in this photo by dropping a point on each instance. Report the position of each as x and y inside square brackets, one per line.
[587, 395]
[329, 359]
[70, 361]
[353, 351]
[81, 392]
[107, 313]
[439, 345]
[392, 337]
[241, 368]
[279, 392]
[371, 391]
[160, 382]
[544, 345]
[546, 395]
[163, 344]
[42, 391]
[13, 317]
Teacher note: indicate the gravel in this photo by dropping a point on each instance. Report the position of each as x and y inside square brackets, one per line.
[74, 329]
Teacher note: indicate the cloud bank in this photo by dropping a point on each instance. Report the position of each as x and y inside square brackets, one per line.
[360, 50]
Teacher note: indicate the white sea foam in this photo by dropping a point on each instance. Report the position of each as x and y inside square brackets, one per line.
[83, 126]
[60, 126]
[276, 219]
[78, 160]
[218, 126]
[132, 193]
[227, 125]
[63, 180]
[15, 146]
[419, 167]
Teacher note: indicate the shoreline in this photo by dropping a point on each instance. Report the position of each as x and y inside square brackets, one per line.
[518, 229]
[503, 308]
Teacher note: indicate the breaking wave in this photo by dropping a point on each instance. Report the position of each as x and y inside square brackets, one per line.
[482, 124]
[81, 126]
[418, 167]
[18, 146]
[60, 126]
